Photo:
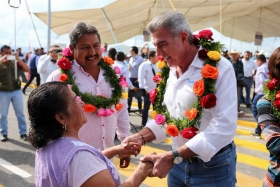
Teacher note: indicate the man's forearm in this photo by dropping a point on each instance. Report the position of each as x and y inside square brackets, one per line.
[147, 134]
[185, 152]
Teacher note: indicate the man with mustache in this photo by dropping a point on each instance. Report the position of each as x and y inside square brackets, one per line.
[99, 131]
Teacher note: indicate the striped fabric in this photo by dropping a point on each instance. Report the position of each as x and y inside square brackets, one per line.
[271, 131]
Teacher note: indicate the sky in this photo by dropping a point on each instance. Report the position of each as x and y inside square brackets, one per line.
[26, 36]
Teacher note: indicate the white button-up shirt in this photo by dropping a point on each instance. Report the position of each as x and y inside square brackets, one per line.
[249, 67]
[260, 78]
[45, 67]
[218, 124]
[99, 131]
[145, 75]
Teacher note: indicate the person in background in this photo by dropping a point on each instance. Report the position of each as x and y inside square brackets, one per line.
[239, 72]
[268, 120]
[42, 51]
[10, 86]
[134, 63]
[147, 71]
[112, 53]
[104, 53]
[21, 73]
[33, 61]
[225, 54]
[56, 114]
[145, 52]
[48, 63]
[250, 68]
[120, 57]
[260, 78]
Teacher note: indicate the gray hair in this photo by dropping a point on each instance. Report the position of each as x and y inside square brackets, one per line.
[80, 29]
[172, 21]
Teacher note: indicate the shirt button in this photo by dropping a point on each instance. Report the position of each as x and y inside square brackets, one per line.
[102, 124]
[103, 137]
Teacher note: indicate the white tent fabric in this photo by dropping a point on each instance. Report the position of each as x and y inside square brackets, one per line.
[127, 18]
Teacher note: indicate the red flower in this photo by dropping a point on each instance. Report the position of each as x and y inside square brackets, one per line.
[277, 104]
[153, 96]
[208, 101]
[195, 39]
[64, 63]
[63, 77]
[189, 132]
[205, 34]
[157, 78]
[67, 53]
[272, 84]
[160, 58]
[277, 95]
[202, 54]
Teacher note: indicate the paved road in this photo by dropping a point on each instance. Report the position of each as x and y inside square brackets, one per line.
[17, 157]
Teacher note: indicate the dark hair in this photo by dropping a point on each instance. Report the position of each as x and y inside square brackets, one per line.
[247, 52]
[152, 54]
[80, 29]
[120, 56]
[135, 49]
[5, 47]
[112, 53]
[261, 58]
[43, 104]
[274, 65]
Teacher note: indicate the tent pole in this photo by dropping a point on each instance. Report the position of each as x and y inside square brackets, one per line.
[232, 32]
[49, 25]
[116, 41]
[32, 23]
[221, 20]
[15, 27]
[172, 5]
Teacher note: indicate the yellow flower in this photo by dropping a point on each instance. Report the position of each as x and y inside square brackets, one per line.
[158, 73]
[214, 55]
[154, 114]
[124, 95]
[160, 64]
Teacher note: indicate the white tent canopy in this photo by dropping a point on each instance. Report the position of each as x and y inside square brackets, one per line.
[127, 18]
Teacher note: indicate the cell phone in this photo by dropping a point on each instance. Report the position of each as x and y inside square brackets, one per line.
[11, 57]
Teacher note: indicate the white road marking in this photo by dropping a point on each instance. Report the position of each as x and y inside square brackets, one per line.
[14, 169]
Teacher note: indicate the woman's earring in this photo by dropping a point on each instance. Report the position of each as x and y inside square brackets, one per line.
[65, 127]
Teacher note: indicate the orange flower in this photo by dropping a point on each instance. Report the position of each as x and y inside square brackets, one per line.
[63, 77]
[118, 106]
[191, 114]
[198, 87]
[89, 108]
[172, 130]
[108, 60]
[209, 71]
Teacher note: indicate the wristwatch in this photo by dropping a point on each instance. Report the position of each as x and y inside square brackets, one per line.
[177, 158]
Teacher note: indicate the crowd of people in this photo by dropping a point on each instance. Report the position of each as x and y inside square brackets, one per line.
[80, 106]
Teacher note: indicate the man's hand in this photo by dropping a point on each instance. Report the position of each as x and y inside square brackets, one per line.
[136, 138]
[124, 162]
[135, 89]
[162, 163]
[3, 58]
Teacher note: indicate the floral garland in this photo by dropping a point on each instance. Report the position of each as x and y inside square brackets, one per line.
[99, 103]
[273, 94]
[204, 89]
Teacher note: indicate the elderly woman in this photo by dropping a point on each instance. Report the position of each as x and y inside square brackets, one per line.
[269, 118]
[56, 115]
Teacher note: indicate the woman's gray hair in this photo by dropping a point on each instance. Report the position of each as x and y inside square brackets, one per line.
[172, 21]
[80, 29]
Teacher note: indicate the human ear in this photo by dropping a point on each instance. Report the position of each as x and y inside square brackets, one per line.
[60, 118]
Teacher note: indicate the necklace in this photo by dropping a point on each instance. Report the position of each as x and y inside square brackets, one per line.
[95, 103]
[204, 89]
[273, 94]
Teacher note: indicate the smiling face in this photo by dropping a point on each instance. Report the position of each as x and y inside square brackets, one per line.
[87, 51]
[172, 50]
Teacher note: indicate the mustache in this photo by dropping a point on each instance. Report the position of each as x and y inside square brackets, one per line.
[91, 56]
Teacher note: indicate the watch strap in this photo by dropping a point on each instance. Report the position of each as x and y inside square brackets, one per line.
[175, 153]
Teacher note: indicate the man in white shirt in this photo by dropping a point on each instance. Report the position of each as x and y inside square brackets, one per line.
[250, 68]
[48, 63]
[105, 52]
[209, 158]
[146, 72]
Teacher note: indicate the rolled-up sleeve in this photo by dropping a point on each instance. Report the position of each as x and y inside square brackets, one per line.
[123, 125]
[222, 127]
[158, 130]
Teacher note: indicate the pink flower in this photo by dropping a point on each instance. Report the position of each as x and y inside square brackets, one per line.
[117, 70]
[153, 95]
[101, 112]
[69, 86]
[67, 53]
[160, 119]
[108, 112]
[123, 82]
[78, 98]
[157, 79]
